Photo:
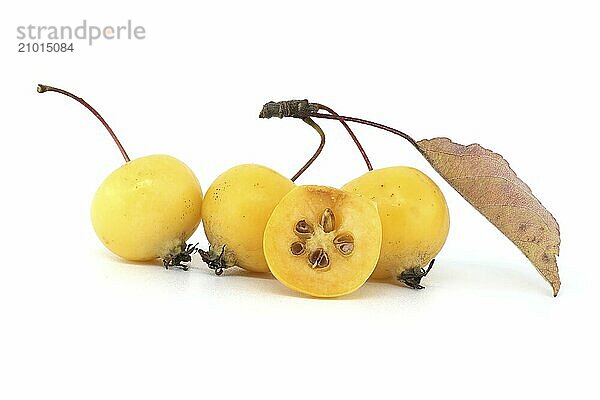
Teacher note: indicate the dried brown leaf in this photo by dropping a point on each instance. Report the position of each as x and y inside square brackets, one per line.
[487, 182]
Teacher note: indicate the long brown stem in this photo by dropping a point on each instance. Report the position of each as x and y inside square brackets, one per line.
[46, 88]
[352, 135]
[366, 122]
[316, 127]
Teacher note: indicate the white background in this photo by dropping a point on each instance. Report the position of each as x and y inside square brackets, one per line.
[519, 77]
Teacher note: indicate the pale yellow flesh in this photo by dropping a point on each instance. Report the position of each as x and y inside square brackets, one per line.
[414, 217]
[147, 207]
[236, 209]
[346, 273]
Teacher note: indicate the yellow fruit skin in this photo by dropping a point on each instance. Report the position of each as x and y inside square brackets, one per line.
[147, 207]
[236, 209]
[346, 273]
[414, 217]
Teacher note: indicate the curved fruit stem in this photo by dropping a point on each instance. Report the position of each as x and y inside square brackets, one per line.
[303, 109]
[352, 135]
[370, 123]
[317, 128]
[46, 88]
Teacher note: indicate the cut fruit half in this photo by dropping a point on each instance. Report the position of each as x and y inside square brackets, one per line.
[323, 241]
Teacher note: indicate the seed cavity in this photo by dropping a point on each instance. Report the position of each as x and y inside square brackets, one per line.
[318, 259]
[344, 242]
[297, 248]
[328, 220]
[323, 261]
[314, 256]
[343, 238]
[345, 248]
[303, 229]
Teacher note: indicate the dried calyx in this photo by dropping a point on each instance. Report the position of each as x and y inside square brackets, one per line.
[313, 241]
[216, 260]
[412, 276]
[181, 254]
